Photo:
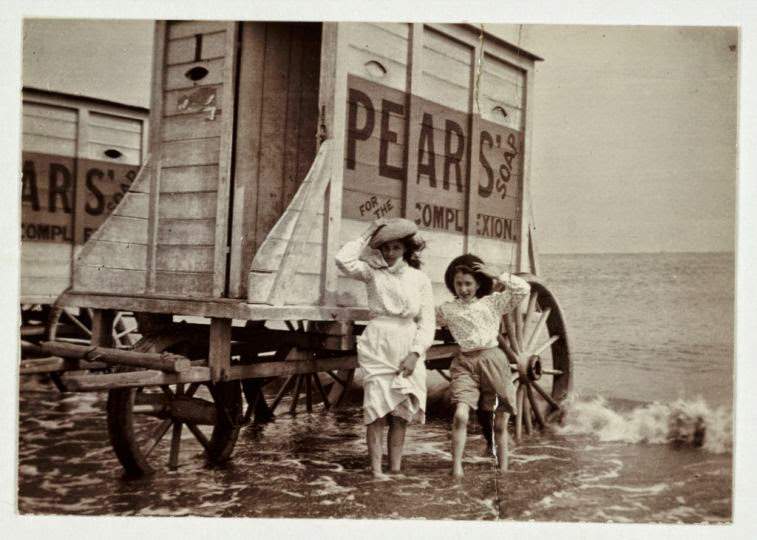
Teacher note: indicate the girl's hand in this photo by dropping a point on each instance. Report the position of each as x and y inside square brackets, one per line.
[486, 270]
[407, 366]
[374, 227]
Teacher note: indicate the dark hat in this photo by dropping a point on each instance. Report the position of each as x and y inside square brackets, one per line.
[468, 261]
[394, 229]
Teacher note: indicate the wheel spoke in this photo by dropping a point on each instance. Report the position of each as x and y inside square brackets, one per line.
[296, 394]
[545, 395]
[518, 315]
[546, 344]
[511, 333]
[551, 371]
[519, 415]
[535, 407]
[539, 325]
[336, 378]
[156, 436]
[530, 313]
[199, 435]
[192, 389]
[77, 322]
[125, 332]
[173, 457]
[526, 409]
[281, 392]
[166, 390]
[309, 392]
[321, 391]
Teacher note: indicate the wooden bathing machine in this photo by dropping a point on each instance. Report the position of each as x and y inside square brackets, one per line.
[79, 157]
[272, 144]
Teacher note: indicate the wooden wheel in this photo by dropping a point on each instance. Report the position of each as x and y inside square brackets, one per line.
[34, 319]
[139, 420]
[74, 325]
[536, 344]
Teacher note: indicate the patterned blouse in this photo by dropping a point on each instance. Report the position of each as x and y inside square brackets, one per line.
[396, 291]
[475, 324]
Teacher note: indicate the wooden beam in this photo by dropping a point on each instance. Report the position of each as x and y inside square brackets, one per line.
[292, 367]
[332, 103]
[223, 194]
[219, 356]
[94, 382]
[213, 307]
[165, 362]
[474, 130]
[156, 147]
[414, 115]
[525, 214]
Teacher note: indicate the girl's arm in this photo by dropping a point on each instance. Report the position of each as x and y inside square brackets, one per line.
[515, 289]
[424, 335]
[348, 258]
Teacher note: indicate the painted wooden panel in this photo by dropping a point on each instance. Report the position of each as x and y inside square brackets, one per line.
[187, 206]
[191, 152]
[186, 258]
[109, 280]
[119, 137]
[45, 259]
[191, 285]
[191, 178]
[134, 204]
[186, 49]
[43, 144]
[180, 29]
[446, 71]
[51, 127]
[125, 229]
[124, 255]
[42, 290]
[186, 231]
[391, 72]
[176, 76]
[188, 126]
[129, 156]
[200, 98]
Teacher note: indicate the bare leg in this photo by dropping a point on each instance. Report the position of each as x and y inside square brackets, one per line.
[485, 421]
[375, 432]
[397, 429]
[459, 432]
[500, 438]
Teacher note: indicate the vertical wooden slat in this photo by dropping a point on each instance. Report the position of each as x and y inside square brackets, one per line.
[225, 161]
[523, 265]
[332, 104]
[292, 121]
[414, 115]
[80, 198]
[219, 355]
[469, 244]
[247, 156]
[156, 117]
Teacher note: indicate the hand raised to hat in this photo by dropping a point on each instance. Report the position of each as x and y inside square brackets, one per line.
[374, 227]
[485, 270]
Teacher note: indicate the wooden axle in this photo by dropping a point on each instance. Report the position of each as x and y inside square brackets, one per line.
[164, 362]
[50, 364]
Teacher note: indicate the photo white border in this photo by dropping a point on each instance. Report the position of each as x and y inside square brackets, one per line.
[678, 13]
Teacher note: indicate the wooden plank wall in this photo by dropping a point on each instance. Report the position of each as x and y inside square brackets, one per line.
[46, 266]
[78, 132]
[277, 123]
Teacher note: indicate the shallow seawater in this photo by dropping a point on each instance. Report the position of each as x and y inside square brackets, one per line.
[314, 465]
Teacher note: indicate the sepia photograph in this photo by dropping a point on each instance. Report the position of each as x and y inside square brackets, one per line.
[383, 269]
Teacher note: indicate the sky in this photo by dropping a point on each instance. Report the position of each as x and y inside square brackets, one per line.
[634, 129]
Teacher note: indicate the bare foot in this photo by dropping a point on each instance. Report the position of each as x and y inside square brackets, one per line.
[378, 475]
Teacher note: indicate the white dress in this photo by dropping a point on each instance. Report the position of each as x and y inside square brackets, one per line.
[401, 303]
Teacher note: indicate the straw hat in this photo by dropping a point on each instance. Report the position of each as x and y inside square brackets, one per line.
[394, 229]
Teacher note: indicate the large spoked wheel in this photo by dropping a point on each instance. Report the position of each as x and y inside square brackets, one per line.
[74, 325]
[140, 419]
[536, 344]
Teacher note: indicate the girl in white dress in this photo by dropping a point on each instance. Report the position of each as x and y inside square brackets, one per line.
[392, 349]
